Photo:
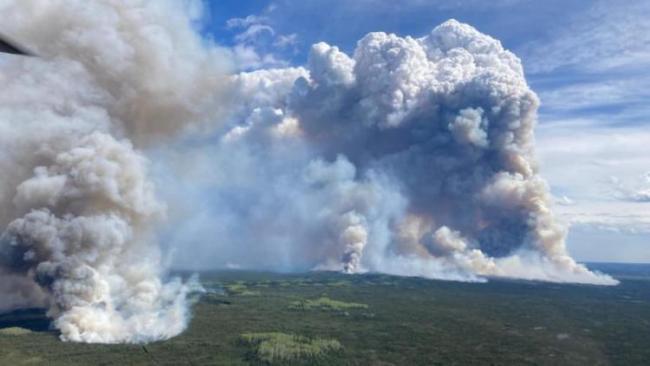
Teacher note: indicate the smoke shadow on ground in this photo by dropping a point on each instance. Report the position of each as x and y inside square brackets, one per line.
[34, 320]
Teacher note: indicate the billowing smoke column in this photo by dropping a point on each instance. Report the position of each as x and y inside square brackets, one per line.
[76, 201]
[413, 156]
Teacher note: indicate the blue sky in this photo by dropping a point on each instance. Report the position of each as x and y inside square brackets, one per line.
[586, 59]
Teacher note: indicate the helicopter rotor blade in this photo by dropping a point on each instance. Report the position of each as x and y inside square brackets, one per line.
[7, 46]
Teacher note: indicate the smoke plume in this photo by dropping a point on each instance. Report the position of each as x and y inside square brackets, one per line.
[76, 199]
[412, 156]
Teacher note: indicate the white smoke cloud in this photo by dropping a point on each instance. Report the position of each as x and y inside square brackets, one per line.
[77, 201]
[412, 156]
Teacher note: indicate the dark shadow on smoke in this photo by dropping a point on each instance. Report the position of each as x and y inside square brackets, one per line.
[503, 237]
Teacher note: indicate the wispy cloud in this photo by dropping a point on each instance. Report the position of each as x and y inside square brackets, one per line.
[593, 134]
[601, 169]
[593, 66]
[257, 44]
[598, 95]
[610, 35]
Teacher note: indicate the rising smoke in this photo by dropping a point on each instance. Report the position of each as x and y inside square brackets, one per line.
[76, 200]
[411, 157]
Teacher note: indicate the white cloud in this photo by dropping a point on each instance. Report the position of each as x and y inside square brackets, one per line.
[234, 23]
[283, 41]
[257, 43]
[254, 31]
[247, 58]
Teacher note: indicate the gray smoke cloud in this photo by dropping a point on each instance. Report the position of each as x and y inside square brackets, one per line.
[77, 204]
[413, 156]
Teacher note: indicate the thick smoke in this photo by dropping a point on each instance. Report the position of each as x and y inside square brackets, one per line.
[413, 156]
[76, 200]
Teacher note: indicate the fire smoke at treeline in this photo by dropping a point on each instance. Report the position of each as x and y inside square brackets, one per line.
[412, 156]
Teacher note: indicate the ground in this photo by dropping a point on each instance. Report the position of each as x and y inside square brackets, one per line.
[248, 318]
